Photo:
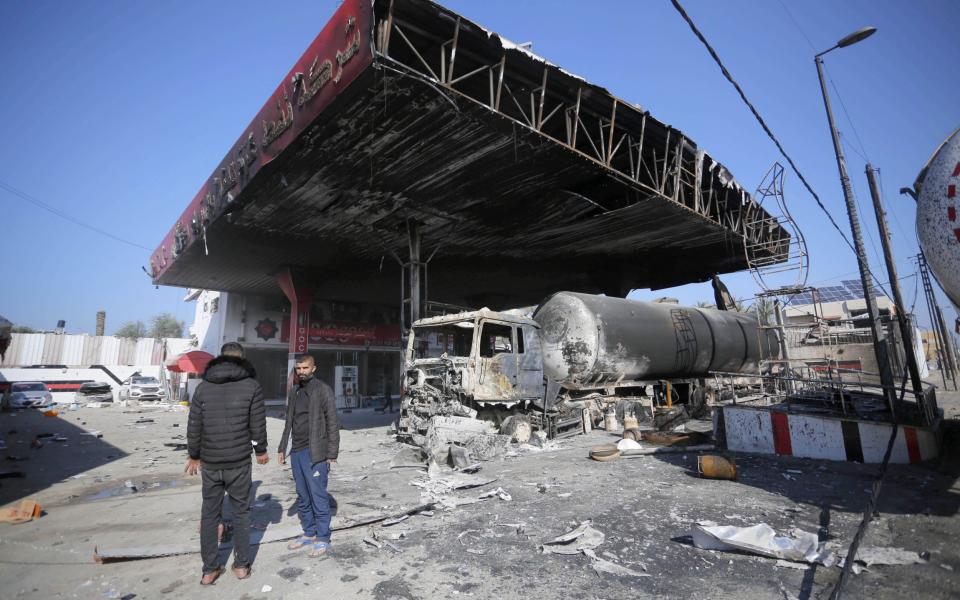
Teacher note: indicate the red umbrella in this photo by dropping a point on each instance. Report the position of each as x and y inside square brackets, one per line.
[194, 361]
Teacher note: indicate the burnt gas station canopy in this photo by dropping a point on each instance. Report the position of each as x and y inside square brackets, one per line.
[521, 178]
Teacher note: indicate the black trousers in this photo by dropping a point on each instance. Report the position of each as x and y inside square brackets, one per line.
[236, 483]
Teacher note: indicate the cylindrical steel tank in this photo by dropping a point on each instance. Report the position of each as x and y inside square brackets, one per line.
[596, 341]
[938, 225]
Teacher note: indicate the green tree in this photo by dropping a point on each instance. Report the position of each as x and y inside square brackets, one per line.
[133, 330]
[165, 325]
[22, 329]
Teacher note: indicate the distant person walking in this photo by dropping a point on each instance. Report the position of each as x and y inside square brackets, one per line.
[227, 420]
[313, 429]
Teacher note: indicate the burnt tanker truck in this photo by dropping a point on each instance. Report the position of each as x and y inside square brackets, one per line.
[576, 359]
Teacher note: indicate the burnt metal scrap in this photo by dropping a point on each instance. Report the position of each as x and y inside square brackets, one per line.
[564, 370]
[431, 117]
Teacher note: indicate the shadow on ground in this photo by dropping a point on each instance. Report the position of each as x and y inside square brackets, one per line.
[33, 449]
[925, 488]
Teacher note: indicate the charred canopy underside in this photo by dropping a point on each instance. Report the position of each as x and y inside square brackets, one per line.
[523, 179]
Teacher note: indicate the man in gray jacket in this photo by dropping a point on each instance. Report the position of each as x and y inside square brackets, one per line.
[315, 430]
[227, 420]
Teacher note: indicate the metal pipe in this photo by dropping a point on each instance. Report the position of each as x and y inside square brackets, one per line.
[879, 345]
[413, 232]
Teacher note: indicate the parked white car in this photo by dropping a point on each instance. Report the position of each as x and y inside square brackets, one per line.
[142, 388]
[28, 394]
[94, 391]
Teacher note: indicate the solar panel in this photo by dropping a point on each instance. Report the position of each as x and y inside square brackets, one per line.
[849, 289]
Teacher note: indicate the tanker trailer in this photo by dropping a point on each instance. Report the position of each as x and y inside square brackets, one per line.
[578, 357]
[643, 354]
[938, 226]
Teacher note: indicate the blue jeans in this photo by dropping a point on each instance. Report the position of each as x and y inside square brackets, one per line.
[313, 501]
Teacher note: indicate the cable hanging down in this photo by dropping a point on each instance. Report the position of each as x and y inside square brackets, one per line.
[766, 129]
[760, 120]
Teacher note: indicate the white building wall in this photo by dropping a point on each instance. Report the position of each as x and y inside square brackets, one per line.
[208, 317]
[72, 350]
[143, 354]
[110, 351]
[31, 352]
[81, 350]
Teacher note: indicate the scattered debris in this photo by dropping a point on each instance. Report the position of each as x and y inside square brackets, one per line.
[459, 456]
[373, 542]
[758, 539]
[455, 430]
[499, 493]
[606, 452]
[408, 456]
[98, 404]
[290, 573]
[394, 521]
[575, 541]
[23, 511]
[792, 565]
[11, 474]
[601, 565]
[517, 428]
[539, 439]
[677, 438]
[266, 588]
[875, 555]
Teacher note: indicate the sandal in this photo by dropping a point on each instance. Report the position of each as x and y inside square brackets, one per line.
[300, 543]
[319, 549]
[209, 578]
[241, 572]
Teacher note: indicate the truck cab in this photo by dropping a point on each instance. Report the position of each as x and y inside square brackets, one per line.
[468, 363]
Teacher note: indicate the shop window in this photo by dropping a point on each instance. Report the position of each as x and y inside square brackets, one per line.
[495, 339]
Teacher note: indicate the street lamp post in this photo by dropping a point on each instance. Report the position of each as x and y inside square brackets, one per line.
[879, 344]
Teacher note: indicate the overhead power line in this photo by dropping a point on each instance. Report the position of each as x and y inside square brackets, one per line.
[39, 203]
[763, 124]
[760, 120]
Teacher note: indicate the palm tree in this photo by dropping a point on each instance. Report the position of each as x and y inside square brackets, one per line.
[763, 309]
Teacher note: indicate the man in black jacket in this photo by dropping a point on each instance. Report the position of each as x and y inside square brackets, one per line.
[312, 420]
[227, 419]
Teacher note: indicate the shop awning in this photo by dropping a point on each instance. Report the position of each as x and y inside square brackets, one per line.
[194, 361]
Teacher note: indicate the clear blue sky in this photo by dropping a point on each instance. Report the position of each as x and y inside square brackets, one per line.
[115, 112]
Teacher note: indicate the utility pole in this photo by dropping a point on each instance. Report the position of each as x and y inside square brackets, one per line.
[906, 331]
[879, 344]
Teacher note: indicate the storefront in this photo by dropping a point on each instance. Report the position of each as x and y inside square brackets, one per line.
[356, 346]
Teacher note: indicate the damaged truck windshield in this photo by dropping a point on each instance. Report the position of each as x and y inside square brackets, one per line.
[451, 339]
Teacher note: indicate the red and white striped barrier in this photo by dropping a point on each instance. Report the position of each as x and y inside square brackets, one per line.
[762, 430]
